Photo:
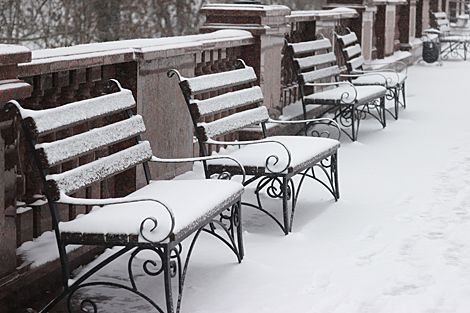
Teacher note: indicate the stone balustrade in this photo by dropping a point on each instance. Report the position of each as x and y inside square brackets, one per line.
[255, 33]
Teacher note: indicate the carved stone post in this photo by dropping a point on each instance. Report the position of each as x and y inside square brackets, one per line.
[10, 175]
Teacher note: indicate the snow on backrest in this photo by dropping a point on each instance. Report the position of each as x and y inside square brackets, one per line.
[312, 76]
[224, 102]
[85, 175]
[353, 51]
[59, 151]
[442, 22]
[440, 15]
[312, 61]
[309, 46]
[348, 39]
[50, 120]
[357, 62]
[211, 82]
[233, 122]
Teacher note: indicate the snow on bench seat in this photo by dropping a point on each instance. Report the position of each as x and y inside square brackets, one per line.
[303, 150]
[121, 222]
[346, 94]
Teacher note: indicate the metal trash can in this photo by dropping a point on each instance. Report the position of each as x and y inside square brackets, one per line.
[430, 51]
[431, 47]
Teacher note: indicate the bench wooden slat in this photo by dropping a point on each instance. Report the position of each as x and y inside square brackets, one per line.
[353, 51]
[442, 22]
[307, 47]
[50, 120]
[233, 122]
[85, 175]
[316, 75]
[312, 61]
[211, 82]
[357, 62]
[72, 147]
[227, 101]
[440, 15]
[348, 39]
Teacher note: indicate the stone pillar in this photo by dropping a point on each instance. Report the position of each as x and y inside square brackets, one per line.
[268, 25]
[367, 32]
[363, 26]
[10, 175]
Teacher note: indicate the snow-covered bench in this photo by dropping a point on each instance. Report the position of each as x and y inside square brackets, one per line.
[155, 218]
[319, 78]
[392, 79]
[452, 39]
[232, 103]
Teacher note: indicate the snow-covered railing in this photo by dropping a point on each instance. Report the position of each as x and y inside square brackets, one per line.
[63, 75]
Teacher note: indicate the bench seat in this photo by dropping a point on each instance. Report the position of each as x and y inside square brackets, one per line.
[303, 150]
[376, 78]
[113, 222]
[346, 94]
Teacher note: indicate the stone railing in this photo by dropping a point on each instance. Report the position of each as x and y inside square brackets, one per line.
[254, 33]
[54, 77]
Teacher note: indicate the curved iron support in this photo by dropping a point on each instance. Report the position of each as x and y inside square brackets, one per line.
[174, 72]
[268, 159]
[89, 302]
[308, 129]
[344, 96]
[101, 202]
[205, 158]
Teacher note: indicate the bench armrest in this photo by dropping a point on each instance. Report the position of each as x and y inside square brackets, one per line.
[322, 120]
[344, 96]
[270, 160]
[201, 159]
[357, 74]
[64, 199]
[402, 66]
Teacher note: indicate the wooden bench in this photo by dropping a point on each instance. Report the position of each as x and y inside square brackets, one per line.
[453, 42]
[393, 80]
[156, 218]
[227, 103]
[319, 78]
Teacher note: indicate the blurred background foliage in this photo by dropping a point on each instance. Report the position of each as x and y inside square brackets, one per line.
[40, 24]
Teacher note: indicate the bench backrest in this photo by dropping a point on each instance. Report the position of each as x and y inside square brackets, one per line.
[223, 103]
[314, 61]
[105, 124]
[351, 51]
[441, 22]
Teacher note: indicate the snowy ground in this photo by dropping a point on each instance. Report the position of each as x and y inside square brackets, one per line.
[398, 240]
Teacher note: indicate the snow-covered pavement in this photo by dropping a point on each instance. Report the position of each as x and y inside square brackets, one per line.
[398, 240]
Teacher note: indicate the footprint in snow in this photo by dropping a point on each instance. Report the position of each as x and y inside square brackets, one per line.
[409, 283]
[364, 257]
[320, 281]
[368, 233]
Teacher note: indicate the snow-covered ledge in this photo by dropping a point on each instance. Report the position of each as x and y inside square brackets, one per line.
[96, 54]
[322, 15]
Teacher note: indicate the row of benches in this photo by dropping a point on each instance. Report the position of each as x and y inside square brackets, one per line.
[162, 214]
